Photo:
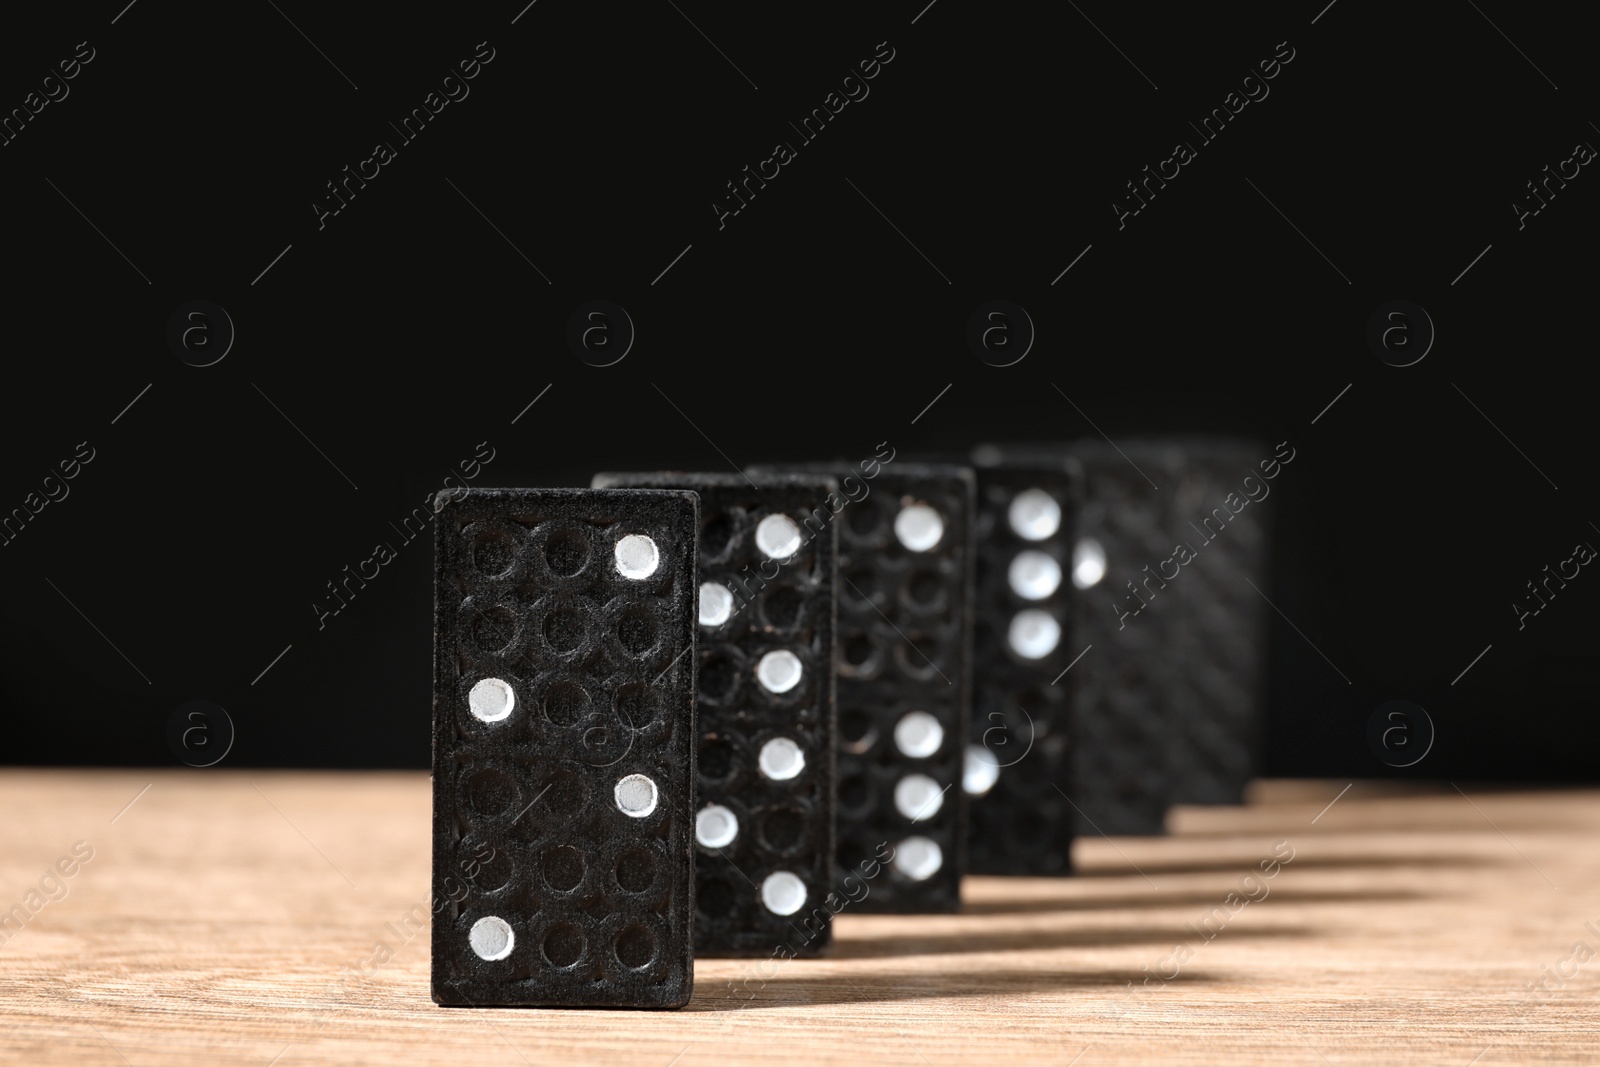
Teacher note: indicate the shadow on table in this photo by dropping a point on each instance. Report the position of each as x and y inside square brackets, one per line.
[1185, 898]
[789, 989]
[857, 947]
[1244, 865]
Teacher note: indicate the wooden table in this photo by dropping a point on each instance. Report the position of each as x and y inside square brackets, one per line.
[220, 910]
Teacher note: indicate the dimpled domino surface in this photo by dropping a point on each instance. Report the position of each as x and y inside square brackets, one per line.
[1021, 711]
[783, 825]
[1124, 692]
[525, 824]
[1223, 621]
[905, 633]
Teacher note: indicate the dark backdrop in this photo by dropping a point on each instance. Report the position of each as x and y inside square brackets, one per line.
[386, 344]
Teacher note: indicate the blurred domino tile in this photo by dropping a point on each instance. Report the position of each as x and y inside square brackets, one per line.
[1018, 773]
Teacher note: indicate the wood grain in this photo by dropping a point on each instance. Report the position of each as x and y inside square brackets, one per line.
[225, 916]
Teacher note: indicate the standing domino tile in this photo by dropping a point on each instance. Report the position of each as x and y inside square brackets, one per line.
[1018, 773]
[764, 818]
[904, 679]
[1225, 494]
[1172, 714]
[1124, 691]
[1165, 705]
[563, 758]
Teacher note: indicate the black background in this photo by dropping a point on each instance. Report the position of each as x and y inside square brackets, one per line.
[411, 327]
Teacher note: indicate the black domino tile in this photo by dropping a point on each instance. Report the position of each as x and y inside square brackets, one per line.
[1222, 632]
[1020, 745]
[527, 828]
[905, 631]
[785, 827]
[1124, 690]
[1166, 704]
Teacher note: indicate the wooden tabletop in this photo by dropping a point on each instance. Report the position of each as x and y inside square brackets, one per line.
[237, 917]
